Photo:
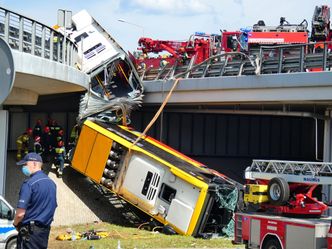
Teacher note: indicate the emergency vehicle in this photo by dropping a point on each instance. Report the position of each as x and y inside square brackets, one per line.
[251, 39]
[199, 47]
[284, 213]
[265, 231]
[8, 233]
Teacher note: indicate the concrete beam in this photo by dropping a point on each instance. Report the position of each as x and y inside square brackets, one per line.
[276, 88]
[37, 76]
[48, 69]
[20, 96]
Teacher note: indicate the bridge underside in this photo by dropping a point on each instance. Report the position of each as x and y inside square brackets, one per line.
[307, 89]
[36, 76]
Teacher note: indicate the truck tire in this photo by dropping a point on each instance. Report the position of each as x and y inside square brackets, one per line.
[278, 191]
[272, 243]
[11, 244]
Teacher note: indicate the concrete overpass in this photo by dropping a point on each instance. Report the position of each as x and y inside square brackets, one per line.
[301, 88]
[44, 63]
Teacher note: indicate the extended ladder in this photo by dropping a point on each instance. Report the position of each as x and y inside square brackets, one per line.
[291, 171]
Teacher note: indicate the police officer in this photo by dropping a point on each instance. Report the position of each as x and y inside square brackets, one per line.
[36, 205]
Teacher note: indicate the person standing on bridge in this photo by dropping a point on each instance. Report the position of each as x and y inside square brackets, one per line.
[36, 205]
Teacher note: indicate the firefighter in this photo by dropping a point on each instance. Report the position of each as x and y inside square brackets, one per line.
[163, 63]
[72, 140]
[46, 142]
[184, 56]
[54, 129]
[29, 132]
[38, 148]
[37, 130]
[142, 66]
[73, 136]
[60, 154]
[22, 143]
[59, 137]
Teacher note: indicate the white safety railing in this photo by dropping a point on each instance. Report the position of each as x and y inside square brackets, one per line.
[29, 36]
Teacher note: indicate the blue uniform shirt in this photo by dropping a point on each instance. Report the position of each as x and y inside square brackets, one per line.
[38, 198]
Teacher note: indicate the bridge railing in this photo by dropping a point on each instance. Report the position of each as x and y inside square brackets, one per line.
[295, 58]
[29, 36]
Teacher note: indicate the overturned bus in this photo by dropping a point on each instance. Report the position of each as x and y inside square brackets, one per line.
[178, 192]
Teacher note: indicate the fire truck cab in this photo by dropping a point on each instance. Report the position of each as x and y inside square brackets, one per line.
[251, 39]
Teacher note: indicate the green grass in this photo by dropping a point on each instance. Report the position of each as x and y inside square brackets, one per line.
[132, 238]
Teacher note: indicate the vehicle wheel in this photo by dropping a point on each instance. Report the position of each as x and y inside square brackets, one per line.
[272, 243]
[11, 244]
[278, 191]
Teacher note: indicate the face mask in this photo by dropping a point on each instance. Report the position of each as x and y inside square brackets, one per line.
[26, 171]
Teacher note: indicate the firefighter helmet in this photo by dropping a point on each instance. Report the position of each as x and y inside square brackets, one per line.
[47, 129]
[29, 131]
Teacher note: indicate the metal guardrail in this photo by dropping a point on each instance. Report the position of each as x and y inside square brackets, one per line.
[29, 36]
[266, 60]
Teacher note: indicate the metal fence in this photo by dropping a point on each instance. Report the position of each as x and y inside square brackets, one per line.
[29, 36]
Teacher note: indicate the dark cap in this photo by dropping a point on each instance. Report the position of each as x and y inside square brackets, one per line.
[30, 157]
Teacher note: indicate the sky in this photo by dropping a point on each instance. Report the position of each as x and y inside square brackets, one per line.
[169, 19]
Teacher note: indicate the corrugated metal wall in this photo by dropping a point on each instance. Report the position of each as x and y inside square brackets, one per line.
[228, 143]
[235, 135]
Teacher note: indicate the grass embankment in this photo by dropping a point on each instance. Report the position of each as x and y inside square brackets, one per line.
[132, 238]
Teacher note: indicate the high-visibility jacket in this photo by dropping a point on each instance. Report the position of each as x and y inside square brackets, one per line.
[60, 152]
[23, 139]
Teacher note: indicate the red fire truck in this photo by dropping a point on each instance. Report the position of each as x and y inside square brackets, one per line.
[278, 232]
[198, 47]
[284, 212]
[250, 39]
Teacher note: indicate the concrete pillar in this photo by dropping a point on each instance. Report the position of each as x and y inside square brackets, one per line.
[3, 149]
[327, 154]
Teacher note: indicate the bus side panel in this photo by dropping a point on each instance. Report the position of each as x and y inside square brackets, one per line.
[83, 149]
[98, 158]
